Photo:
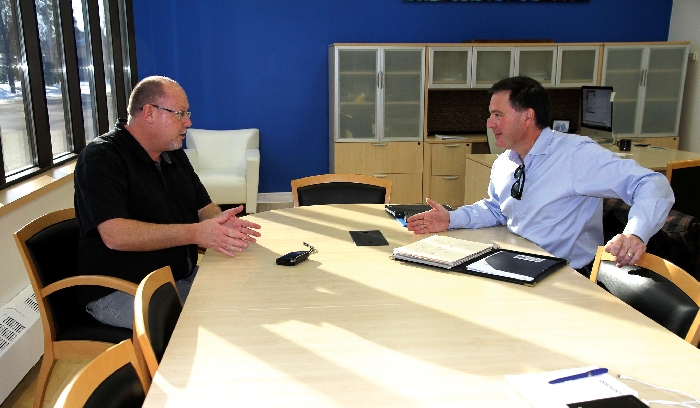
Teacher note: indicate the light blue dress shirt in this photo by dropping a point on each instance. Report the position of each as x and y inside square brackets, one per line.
[561, 210]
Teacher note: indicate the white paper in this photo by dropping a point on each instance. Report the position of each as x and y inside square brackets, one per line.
[537, 390]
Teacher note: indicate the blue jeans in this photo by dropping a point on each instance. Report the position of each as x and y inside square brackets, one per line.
[117, 308]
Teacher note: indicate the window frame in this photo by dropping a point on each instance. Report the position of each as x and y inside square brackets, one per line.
[36, 107]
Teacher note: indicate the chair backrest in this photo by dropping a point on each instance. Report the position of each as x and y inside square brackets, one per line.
[492, 142]
[683, 176]
[112, 379]
[659, 289]
[156, 310]
[340, 189]
[222, 149]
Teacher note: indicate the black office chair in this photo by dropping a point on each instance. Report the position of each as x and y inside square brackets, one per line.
[114, 379]
[659, 289]
[49, 248]
[683, 176]
[156, 310]
[340, 189]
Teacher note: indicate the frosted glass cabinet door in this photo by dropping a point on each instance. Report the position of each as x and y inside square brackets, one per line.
[537, 63]
[357, 93]
[491, 64]
[577, 66]
[664, 85]
[450, 67]
[623, 71]
[403, 94]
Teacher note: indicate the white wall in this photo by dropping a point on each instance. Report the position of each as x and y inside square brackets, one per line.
[684, 27]
[13, 275]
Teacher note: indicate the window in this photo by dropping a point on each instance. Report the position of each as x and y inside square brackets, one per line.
[57, 79]
[17, 149]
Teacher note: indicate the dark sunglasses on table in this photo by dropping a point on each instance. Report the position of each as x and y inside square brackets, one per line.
[517, 190]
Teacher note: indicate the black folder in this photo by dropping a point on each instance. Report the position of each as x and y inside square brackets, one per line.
[408, 210]
[512, 266]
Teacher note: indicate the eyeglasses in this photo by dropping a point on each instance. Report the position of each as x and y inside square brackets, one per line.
[517, 190]
[179, 114]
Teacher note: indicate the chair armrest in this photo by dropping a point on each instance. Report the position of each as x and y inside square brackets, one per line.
[252, 171]
[94, 280]
[192, 156]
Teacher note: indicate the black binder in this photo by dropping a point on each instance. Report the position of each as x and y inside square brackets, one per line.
[512, 266]
[408, 210]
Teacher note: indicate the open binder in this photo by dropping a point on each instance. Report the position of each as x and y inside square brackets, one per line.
[485, 260]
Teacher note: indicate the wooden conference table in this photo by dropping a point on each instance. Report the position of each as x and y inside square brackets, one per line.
[351, 327]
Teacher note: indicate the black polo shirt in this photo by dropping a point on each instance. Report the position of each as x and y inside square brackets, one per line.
[116, 178]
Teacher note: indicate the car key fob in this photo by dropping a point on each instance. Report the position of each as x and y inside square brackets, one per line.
[293, 258]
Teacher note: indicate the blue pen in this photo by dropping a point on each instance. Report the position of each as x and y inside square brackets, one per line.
[597, 371]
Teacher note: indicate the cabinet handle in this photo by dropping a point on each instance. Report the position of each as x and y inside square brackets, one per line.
[379, 144]
[452, 145]
[379, 175]
[450, 177]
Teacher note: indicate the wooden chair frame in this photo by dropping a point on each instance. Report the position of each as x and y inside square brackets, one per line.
[681, 164]
[53, 349]
[340, 178]
[144, 293]
[79, 390]
[685, 282]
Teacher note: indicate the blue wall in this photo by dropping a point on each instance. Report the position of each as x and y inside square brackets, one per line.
[264, 63]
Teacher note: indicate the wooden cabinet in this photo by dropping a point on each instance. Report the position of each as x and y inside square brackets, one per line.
[477, 177]
[401, 162]
[444, 170]
[376, 93]
[648, 82]
[376, 113]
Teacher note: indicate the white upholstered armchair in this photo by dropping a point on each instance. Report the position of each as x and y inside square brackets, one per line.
[228, 163]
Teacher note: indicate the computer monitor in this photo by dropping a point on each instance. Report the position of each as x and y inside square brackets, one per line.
[597, 113]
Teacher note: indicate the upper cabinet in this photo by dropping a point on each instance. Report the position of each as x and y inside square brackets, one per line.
[648, 84]
[538, 63]
[577, 65]
[450, 67]
[491, 64]
[376, 93]
[564, 66]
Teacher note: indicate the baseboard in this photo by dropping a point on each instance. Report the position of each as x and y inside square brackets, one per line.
[281, 197]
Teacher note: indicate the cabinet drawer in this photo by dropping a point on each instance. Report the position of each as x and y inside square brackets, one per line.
[406, 188]
[448, 159]
[447, 190]
[382, 158]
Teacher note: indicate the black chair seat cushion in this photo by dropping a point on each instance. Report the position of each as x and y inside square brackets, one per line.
[340, 193]
[678, 241]
[122, 389]
[163, 311]
[651, 294]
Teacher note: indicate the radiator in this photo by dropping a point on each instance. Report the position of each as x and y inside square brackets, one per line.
[21, 340]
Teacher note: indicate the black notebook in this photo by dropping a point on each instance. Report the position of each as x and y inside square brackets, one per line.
[408, 210]
[512, 266]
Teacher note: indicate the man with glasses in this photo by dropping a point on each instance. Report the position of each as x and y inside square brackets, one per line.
[141, 206]
[548, 186]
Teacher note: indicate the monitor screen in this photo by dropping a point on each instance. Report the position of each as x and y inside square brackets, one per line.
[597, 107]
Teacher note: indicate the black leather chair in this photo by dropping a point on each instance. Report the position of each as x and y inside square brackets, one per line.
[657, 288]
[114, 379]
[678, 241]
[340, 189]
[49, 249]
[684, 176]
[156, 310]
